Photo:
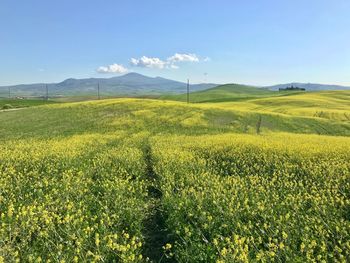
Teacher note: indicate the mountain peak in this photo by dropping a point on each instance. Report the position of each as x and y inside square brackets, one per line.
[69, 80]
[133, 74]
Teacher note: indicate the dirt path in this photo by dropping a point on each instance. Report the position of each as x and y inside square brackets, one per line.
[155, 232]
[15, 109]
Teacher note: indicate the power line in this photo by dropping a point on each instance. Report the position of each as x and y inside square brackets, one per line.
[98, 90]
[188, 91]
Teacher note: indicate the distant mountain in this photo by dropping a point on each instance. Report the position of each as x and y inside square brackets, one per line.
[309, 86]
[131, 84]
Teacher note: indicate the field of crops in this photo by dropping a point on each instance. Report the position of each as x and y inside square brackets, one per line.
[76, 199]
[133, 180]
[235, 198]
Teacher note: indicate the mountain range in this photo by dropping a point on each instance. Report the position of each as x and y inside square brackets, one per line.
[131, 84]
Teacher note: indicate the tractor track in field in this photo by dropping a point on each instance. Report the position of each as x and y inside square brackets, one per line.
[155, 232]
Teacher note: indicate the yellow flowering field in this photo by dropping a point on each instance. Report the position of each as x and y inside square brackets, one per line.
[132, 180]
[241, 198]
[72, 200]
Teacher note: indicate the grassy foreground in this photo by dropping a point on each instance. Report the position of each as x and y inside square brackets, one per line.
[132, 180]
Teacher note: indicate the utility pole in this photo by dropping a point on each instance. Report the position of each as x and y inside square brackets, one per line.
[98, 90]
[47, 92]
[188, 91]
[9, 92]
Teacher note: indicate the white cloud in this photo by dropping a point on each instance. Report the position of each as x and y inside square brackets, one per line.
[114, 68]
[169, 63]
[148, 62]
[183, 58]
[206, 59]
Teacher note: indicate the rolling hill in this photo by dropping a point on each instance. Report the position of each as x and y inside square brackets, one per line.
[131, 179]
[320, 104]
[222, 93]
[131, 84]
[317, 112]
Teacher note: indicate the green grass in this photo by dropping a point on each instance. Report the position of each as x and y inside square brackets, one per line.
[156, 116]
[223, 93]
[21, 103]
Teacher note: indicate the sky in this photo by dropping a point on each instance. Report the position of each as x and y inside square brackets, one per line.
[257, 42]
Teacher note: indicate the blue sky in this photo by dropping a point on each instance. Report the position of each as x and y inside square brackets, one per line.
[257, 42]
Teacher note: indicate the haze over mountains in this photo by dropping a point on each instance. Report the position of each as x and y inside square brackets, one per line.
[131, 84]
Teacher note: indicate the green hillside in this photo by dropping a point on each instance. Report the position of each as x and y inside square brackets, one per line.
[20, 103]
[156, 116]
[252, 179]
[228, 92]
[322, 104]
